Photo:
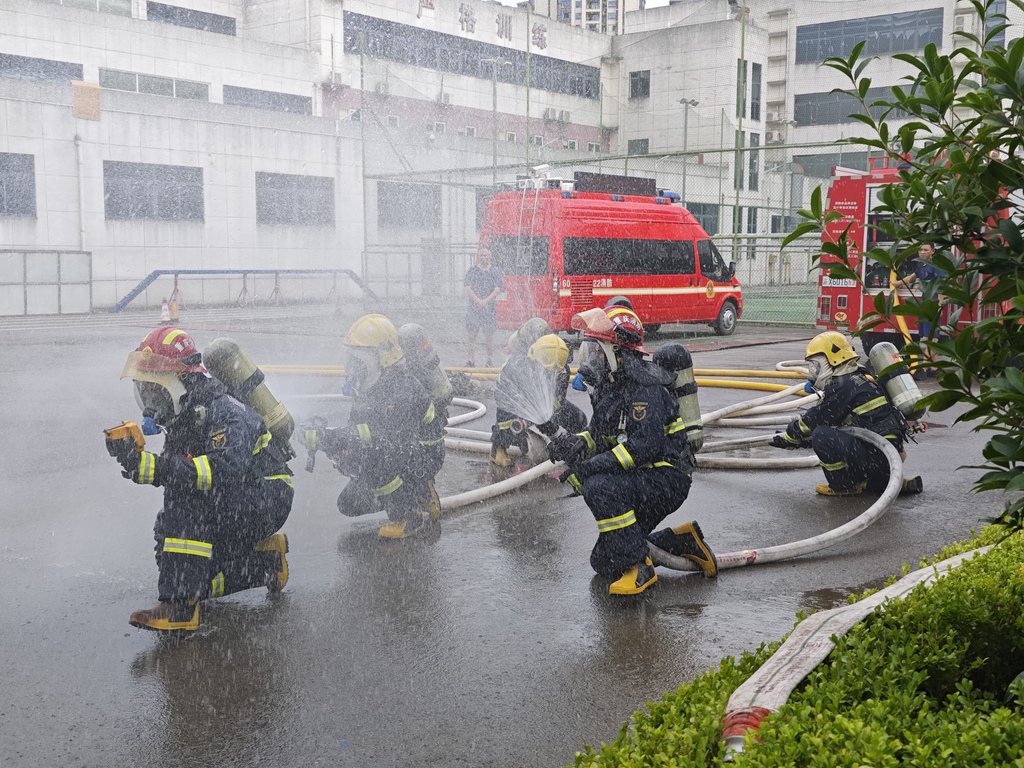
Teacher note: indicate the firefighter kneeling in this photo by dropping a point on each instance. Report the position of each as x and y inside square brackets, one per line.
[227, 488]
[849, 398]
[634, 463]
[393, 442]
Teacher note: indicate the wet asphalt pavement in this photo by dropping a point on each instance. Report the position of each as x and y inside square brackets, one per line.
[490, 645]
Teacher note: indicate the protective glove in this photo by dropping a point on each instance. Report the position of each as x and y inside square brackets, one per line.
[123, 450]
[143, 468]
[783, 440]
[570, 477]
[567, 448]
[578, 383]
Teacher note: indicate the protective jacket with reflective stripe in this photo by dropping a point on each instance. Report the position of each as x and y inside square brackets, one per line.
[208, 452]
[386, 425]
[632, 426]
[852, 400]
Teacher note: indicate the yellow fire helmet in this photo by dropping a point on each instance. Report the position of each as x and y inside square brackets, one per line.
[549, 351]
[378, 333]
[834, 346]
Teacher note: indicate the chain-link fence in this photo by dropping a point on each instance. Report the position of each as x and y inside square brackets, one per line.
[747, 225]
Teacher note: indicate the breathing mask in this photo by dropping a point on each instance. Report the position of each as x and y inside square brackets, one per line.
[819, 372]
[158, 406]
[597, 361]
[362, 369]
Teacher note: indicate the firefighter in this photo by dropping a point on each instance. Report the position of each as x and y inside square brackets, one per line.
[223, 503]
[849, 397]
[509, 427]
[384, 448]
[633, 464]
[425, 365]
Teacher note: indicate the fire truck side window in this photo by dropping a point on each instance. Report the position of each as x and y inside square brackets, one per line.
[627, 256]
[712, 265]
[520, 256]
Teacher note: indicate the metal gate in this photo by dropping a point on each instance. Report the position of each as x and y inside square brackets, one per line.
[45, 282]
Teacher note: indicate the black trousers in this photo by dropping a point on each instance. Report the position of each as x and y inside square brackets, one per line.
[847, 462]
[628, 506]
[205, 548]
[400, 492]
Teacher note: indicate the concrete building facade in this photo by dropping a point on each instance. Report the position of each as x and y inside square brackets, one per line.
[297, 137]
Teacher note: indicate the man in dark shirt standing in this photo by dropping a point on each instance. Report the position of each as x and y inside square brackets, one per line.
[483, 284]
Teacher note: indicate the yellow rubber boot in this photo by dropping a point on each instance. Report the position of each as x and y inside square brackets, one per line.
[433, 505]
[277, 543]
[635, 580]
[500, 457]
[692, 546]
[825, 489]
[403, 529]
[168, 616]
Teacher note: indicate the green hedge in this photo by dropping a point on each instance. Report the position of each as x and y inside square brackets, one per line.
[925, 681]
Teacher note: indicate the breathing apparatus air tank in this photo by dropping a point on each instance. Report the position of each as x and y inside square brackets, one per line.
[424, 363]
[676, 358]
[899, 384]
[245, 382]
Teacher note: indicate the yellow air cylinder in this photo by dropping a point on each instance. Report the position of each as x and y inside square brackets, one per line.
[676, 358]
[245, 381]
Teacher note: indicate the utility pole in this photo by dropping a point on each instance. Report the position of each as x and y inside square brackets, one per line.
[494, 118]
[687, 103]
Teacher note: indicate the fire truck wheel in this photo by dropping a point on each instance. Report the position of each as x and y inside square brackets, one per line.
[726, 322]
[868, 340]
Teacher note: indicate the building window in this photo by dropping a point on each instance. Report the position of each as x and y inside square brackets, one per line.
[119, 7]
[640, 84]
[510, 137]
[638, 146]
[755, 91]
[883, 35]
[833, 108]
[158, 86]
[741, 88]
[257, 99]
[571, 144]
[783, 224]
[152, 192]
[752, 219]
[408, 206]
[754, 162]
[738, 162]
[43, 70]
[284, 198]
[186, 17]
[706, 215]
[392, 121]
[537, 141]
[470, 130]
[996, 12]
[427, 49]
[17, 185]
[593, 146]
[439, 129]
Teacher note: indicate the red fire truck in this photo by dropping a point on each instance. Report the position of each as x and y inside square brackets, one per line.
[567, 246]
[844, 303]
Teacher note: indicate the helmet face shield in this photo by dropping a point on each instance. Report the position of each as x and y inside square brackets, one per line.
[362, 368]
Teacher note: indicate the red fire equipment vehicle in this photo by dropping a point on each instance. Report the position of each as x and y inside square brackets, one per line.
[568, 246]
[844, 303]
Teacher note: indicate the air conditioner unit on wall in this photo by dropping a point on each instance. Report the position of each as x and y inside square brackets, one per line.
[773, 137]
[564, 116]
[444, 99]
[550, 113]
[382, 87]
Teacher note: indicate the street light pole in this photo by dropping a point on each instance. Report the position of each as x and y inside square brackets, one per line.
[494, 119]
[687, 103]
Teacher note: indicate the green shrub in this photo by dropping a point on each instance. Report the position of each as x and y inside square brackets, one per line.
[923, 681]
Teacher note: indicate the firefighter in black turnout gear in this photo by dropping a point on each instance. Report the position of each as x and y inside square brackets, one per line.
[389, 449]
[849, 398]
[226, 485]
[633, 464]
